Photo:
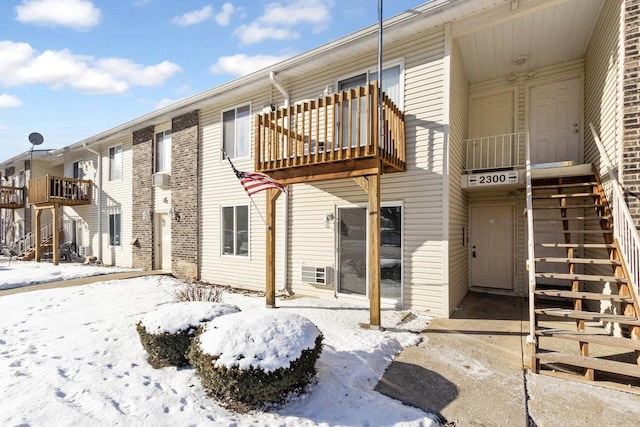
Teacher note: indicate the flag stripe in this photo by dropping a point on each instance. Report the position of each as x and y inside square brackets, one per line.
[254, 182]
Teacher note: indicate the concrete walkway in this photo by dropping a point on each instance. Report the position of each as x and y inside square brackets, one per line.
[470, 371]
[81, 281]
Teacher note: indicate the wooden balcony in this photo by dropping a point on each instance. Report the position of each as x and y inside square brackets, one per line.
[11, 197]
[331, 137]
[52, 190]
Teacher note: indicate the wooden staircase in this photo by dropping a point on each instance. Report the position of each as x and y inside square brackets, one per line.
[30, 253]
[586, 313]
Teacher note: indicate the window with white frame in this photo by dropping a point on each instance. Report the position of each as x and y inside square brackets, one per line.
[236, 131]
[391, 86]
[235, 230]
[163, 152]
[114, 229]
[115, 163]
[78, 170]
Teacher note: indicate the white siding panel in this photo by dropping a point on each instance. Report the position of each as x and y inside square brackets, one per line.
[117, 196]
[458, 207]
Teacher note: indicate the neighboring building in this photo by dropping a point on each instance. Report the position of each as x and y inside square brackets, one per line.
[468, 83]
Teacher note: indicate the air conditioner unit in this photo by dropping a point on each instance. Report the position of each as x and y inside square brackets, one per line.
[319, 276]
[161, 180]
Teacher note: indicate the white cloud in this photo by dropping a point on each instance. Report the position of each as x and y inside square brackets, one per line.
[194, 17]
[256, 32]
[81, 15]
[280, 18]
[20, 64]
[3, 127]
[224, 18]
[241, 64]
[9, 101]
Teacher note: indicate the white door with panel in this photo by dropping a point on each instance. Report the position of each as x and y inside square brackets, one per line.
[492, 246]
[554, 128]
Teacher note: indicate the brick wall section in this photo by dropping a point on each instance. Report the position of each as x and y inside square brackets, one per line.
[142, 198]
[185, 168]
[631, 108]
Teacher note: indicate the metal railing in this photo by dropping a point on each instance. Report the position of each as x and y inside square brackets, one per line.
[496, 151]
[624, 228]
[27, 242]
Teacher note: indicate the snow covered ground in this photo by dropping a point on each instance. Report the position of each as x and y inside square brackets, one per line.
[71, 356]
[16, 274]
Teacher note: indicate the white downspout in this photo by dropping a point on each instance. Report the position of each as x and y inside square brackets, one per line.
[98, 197]
[285, 227]
[272, 77]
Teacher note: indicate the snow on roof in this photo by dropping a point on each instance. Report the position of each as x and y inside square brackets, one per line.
[263, 340]
[181, 316]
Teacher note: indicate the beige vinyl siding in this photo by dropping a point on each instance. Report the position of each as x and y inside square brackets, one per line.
[602, 85]
[220, 187]
[458, 207]
[116, 195]
[602, 99]
[419, 190]
[86, 216]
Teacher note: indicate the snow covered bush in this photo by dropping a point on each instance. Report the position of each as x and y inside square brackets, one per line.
[167, 332]
[250, 360]
[193, 291]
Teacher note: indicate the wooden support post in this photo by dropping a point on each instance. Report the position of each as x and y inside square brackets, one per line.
[272, 196]
[55, 241]
[374, 250]
[38, 237]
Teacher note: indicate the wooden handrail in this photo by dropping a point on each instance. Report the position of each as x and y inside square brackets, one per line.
[335, 128]
[11, 197]
[57, 189]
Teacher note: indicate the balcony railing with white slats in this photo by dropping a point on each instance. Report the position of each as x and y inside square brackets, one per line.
[494, 152]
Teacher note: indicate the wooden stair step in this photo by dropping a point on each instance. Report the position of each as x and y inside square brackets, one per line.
[603, 365]
[590, 205]
[575, 184]
[583, 277]
[575, 218]
[599, 261]
[578, 245]
[600, 339]
[564, 196]
[593, 296]
[576, 231]
[588, 315]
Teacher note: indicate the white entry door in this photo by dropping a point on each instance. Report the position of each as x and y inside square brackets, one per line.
[554, 129]
[163, 242]
[492, 246]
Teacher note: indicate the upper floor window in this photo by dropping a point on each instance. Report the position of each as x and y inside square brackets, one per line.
[78, 170]
[115, 163]
[390, 82]
[163, 152]
[236, 131]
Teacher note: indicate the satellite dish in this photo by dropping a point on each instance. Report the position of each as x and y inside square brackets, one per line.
[35, 138]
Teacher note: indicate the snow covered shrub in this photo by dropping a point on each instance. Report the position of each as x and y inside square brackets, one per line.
[167, 332]
[199, 292]
[251, 360]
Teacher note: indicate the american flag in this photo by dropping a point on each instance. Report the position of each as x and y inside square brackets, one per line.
[254, 182]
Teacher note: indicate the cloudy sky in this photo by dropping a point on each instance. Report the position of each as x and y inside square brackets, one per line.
[70, 69]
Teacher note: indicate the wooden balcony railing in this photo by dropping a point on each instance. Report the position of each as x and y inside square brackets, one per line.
[330, 137]
[11, 197]
[56, 189]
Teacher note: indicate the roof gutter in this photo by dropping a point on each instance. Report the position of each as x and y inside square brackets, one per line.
[98, 197]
